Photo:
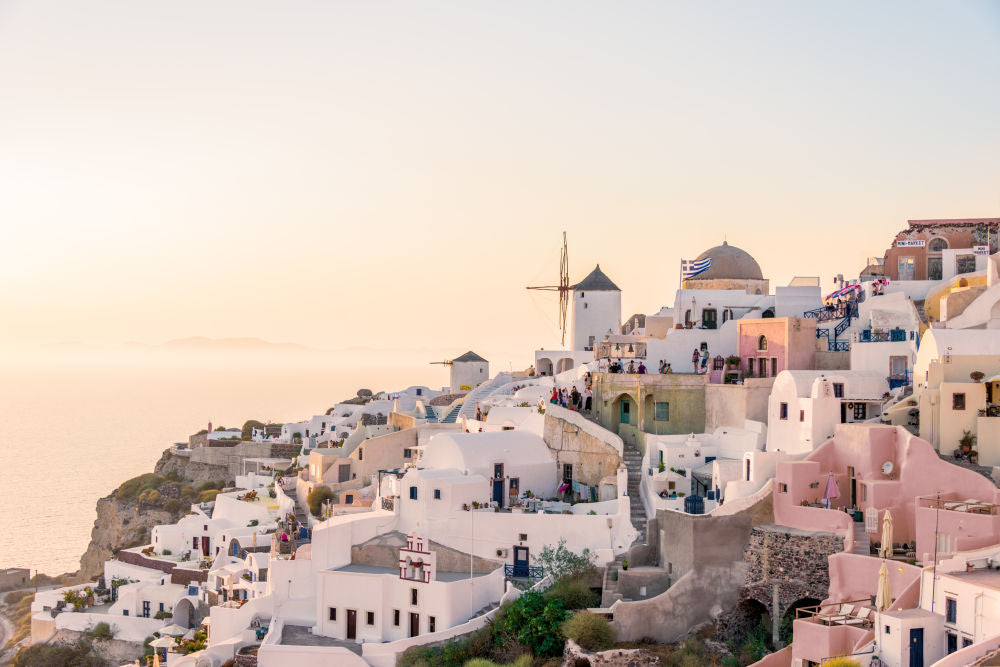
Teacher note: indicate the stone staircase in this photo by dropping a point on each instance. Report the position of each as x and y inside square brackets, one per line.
[862, 543]
[452, 416]
[609, 592]
[632, 458]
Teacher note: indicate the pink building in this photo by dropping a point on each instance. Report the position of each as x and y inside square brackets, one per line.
[768, 346]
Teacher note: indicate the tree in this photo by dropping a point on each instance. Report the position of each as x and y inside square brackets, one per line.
[534, 622]
[316, 497]
[561, 562]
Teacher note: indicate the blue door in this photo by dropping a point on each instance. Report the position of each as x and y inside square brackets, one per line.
[498, 491]
[916, 647]
[624, 417]
[145, 609]
[520, 561]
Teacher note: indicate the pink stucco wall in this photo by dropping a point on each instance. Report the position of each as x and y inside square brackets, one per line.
[855, 577]
[817, 642]
[917, 471]
[967, 531]
[791, 339]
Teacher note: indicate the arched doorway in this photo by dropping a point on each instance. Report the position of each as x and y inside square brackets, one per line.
[544, 366]
[624, 412]
[183, 612]
[749, 623]
[563, 365]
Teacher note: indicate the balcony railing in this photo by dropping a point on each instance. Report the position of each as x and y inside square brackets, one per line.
[892, 336]
[839, 346]
[523, 571]
[388, 503]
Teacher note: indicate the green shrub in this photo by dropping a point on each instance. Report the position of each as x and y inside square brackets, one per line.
[533, 621]
[573, 593]
[205, 486]
[208, 495]
[316, 497]
[137, 485]
[560, 561]
[16, 596]
[172, 505]
[161, 614]
[590, 631]
[173, 476]
[44, 655]
[150, 497]
[101, 631]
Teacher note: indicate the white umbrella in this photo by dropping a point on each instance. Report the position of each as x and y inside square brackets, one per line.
[885, 549]
[173, 630]
[163, 642]
[883, 597]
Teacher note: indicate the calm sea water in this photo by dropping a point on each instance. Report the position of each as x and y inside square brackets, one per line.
[74, 426]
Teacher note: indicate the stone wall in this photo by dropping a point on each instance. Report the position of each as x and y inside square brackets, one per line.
[134, 558]
[184, 577]
[592, 458]
[14, 578]
[401, 422]
[794, 560]
[573, 656]
[193, 472]
[111, 651]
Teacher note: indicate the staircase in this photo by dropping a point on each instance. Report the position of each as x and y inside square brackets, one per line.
[431, 414]
[609, 592]
[632, 458]
[468, 407]
[452, 416]
[862, 543]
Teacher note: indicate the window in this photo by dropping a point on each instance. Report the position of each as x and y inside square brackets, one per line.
[838, 389]
[952, 642]
[897, 367]
[774, 366]
[420, 392]
[413, 493]
[802, 415]
[783, 411]
[361, 454]
[437, 494]
[749, 366]
[762, 343]
[407, 453]
[958, 401]
[965, 264]
[370, 618]
[395, 617]
[507, 428]
[860, 410]
[333, 613]
[951, 610]
[782, 487]
[431, 624]
[348, 499]
[584, 305]
[522, 537]
[161, 606]
[887, 630]
[937, 245]
[662, 412]
[966, 642]
[567, 472]
[413, 596]
[671, 485]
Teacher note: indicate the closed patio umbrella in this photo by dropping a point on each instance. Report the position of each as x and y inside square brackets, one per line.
[883, 597]
[163, 642]
[831, 490]
[885, 549]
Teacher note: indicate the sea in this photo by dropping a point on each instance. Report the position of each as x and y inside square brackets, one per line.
[75, 423]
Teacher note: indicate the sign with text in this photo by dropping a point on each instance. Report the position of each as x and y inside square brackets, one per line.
[980, 250]
[911, 243]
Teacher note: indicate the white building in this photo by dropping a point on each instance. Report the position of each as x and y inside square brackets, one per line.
[805, 406]
[596, 310]
[367, 602]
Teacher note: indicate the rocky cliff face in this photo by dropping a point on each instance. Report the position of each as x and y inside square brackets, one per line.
[120, 524]
[126, 522]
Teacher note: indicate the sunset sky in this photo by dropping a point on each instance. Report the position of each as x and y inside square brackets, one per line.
[394, 174]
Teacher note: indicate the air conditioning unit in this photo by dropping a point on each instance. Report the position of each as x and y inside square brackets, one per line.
[501, 553]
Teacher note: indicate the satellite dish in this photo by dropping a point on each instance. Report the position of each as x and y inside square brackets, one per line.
[887, 468]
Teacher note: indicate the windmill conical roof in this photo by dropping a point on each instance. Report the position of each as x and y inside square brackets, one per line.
[597, 281]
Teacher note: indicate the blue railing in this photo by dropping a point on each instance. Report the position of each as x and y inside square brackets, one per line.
[841, 328]
[523, 571]
[839, 346]
[893, 336]
[846, 309]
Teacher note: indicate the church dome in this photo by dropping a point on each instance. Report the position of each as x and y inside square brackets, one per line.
[731, 263]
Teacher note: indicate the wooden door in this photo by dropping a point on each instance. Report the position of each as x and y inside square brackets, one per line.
[414, 624]
[352, 624]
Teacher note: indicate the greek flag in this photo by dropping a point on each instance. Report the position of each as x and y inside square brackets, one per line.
[692, 267]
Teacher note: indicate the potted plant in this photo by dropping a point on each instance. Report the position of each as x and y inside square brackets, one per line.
[625, 563]
[977, 376]
[732, 361]
[662, 467]
[465, 506]
[966, 442]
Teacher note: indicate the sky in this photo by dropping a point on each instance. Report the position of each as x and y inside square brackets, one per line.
[392, 175]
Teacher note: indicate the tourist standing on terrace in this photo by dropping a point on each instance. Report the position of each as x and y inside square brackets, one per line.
[695, 356]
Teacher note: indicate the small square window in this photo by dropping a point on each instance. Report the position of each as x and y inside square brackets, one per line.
[370, 618]
[437, 494]
[395, 617]
[413, 493]
[522, 537]
[413, 596]
[333, 613]
[783, 411]
[662, 411]
[407, 453]
[671, 485]
[958, 401]
[838, 389]
[782, 487]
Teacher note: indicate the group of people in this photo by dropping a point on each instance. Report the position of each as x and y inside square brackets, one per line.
[699, 359]
[631, 369]
[573, 399]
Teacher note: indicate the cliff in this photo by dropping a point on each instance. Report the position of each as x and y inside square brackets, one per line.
[126, 516]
